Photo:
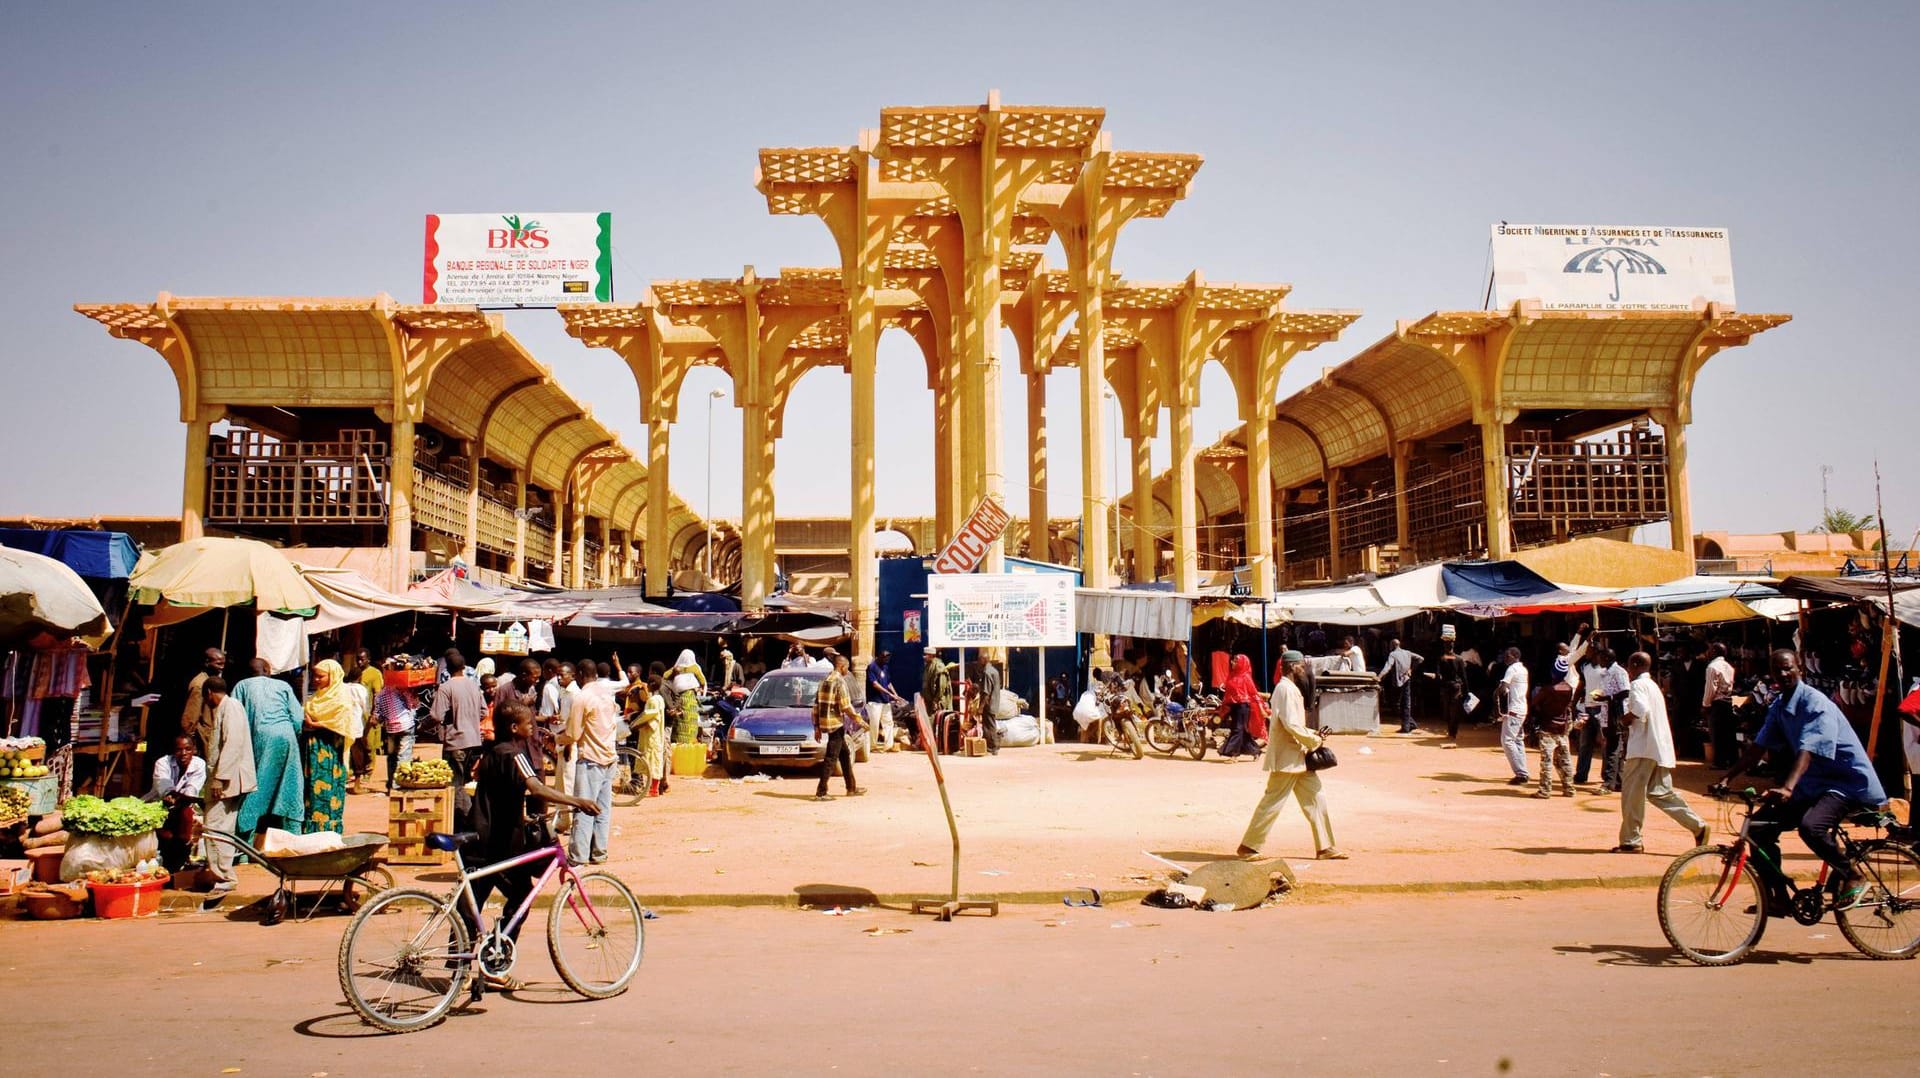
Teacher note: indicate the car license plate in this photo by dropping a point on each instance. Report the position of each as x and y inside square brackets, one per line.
[780, 750]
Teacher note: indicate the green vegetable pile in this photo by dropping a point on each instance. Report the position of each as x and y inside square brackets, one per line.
[120, 816]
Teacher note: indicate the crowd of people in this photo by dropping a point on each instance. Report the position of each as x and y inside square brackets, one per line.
[253, 754]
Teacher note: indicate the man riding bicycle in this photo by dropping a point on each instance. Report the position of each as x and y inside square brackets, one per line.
[1831, 775]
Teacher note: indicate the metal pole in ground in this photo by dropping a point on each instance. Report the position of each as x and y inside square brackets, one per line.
[946, 910]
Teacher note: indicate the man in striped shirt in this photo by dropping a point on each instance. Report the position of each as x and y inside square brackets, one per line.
[833, 717]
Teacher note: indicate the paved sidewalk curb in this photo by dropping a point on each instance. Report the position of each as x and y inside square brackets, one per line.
[853, 900]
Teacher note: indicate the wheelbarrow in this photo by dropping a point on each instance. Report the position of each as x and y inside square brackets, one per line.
[350, 865]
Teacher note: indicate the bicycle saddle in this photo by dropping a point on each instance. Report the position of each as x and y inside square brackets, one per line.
[1869, 818]
[447, 843]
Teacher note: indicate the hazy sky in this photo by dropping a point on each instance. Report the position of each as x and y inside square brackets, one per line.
[1357, 151]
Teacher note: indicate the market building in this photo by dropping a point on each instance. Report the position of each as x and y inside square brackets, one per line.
[388, 436]
[1461, 434]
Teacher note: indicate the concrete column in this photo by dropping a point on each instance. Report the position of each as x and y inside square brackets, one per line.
[1262, 522]
[1186, 532]
[193, 482]
[756, 515]
[1679, 497]
[944, 467]
[1336, 565]
[400, 503]
[470, 545]
[1402, 521]
[603, 562]
[983, 302]
[1096, 546]
[659, 500]
[1281, 577]
[862, 340]
[562, 507]
[1493, 460]
[1146, 552]
[1038, 540]
[519, 566]
[577, 537]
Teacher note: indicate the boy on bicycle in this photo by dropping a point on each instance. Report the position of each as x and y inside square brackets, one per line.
[507, 782]
[1831, 774]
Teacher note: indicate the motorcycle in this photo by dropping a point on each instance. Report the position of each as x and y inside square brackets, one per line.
[1190, 727]
[1122, 725]
[717, 712]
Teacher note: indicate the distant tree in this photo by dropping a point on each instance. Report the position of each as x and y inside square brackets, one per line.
[1843, 522]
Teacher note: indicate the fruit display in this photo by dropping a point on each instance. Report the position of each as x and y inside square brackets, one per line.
[20, 758]
[409, 672]
[424, 774]
[13, 802]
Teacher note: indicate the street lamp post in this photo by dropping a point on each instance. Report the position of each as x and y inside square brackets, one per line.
[712, 395]
[1118, 544]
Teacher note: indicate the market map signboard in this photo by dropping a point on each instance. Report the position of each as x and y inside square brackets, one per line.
[970, 543]
[1611, 267]
[519, 259]
[1014, 610]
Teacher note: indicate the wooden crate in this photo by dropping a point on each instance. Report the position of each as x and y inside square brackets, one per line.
[411, 816]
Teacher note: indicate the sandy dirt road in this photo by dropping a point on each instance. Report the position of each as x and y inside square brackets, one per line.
[1570, 982]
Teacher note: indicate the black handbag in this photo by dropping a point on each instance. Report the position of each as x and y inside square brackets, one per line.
[1321, 758]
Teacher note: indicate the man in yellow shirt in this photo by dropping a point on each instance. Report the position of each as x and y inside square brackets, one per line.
[833, 717]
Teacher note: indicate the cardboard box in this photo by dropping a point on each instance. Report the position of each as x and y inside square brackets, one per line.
[14, 875]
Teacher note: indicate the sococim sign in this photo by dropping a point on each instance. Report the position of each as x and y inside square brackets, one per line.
[970, 545]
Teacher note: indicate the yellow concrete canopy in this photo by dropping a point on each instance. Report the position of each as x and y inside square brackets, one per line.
[455, 368]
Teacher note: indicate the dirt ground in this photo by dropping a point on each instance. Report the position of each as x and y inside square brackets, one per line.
[1038, 821]
[1552, 983]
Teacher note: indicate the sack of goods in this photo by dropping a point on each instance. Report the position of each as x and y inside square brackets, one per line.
[1089, 710]
[1019, 731]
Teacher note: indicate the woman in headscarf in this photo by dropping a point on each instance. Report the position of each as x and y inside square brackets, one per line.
[647, 714]
[329, 722]
[1241, 696]
[684, 682]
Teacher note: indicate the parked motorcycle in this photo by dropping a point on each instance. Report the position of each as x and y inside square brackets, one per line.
[1178, 727]
[1122, 725]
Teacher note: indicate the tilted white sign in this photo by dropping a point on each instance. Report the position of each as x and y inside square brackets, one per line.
[1015, 610]
[518, 259]
[1611, 267]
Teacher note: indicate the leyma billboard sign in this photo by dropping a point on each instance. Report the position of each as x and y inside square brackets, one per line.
[1611, 267]
[518, 259]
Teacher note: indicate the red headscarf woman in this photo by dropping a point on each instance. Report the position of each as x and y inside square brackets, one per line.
[1242, 698]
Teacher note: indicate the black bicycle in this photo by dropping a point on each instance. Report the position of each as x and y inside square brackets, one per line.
[1714, 898]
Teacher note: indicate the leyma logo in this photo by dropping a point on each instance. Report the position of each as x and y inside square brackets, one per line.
[1614, 260]
[518, 235]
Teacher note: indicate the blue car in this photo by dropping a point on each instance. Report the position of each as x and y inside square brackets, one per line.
[775, 728]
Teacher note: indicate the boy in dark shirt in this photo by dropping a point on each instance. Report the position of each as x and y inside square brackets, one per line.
[506, 781]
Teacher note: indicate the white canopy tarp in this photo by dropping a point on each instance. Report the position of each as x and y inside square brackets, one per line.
[347, 598]
[1151, 615]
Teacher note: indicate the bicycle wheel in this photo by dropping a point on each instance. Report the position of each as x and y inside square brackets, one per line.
[404, 959]
[1884, 921]
[629, 782]
[1708, 913]
[1161, 736]
[596, 935]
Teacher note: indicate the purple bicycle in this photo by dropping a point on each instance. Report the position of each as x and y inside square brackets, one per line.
[408, 953]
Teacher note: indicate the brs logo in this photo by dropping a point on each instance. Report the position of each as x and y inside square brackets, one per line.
[527, 235]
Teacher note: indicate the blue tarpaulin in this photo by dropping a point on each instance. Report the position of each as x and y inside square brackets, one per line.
[1491, 581]
[96, 555]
